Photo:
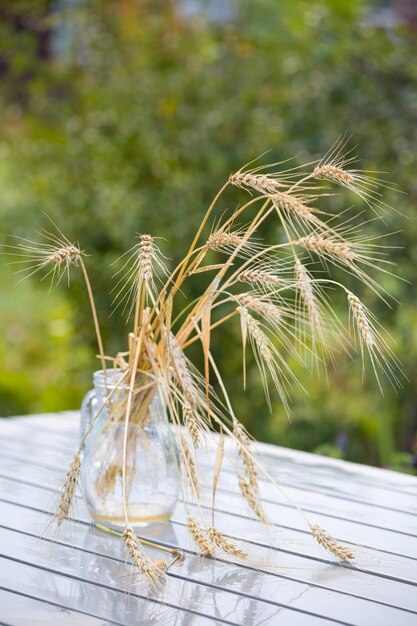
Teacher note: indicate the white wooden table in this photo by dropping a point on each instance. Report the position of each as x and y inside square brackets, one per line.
[82, 578]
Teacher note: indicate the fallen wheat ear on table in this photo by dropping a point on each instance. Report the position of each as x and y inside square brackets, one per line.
[79, 579]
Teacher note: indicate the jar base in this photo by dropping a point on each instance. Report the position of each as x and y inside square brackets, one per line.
[145, 515]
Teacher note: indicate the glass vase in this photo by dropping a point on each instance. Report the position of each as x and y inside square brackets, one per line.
[152, 464]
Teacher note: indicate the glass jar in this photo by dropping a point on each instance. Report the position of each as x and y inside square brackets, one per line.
[152, 464]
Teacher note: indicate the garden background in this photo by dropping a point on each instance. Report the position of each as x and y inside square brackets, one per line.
[126, 116]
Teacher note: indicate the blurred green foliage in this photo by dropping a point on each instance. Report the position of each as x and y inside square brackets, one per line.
[125, 117]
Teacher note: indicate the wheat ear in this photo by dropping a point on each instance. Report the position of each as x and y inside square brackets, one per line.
[361, 319]
[68, 490]
[190, 467]
[258, 276]
[262, 307]
[146, 256]
[292, 204]
[153, 570]
[200, 537]
[305, 287]
[252, 499]
[190, 420]
[333, 173]
[244, 452]
[225, 544]
[330, 544]
[221, 239]
[260, 182]
[322, 245]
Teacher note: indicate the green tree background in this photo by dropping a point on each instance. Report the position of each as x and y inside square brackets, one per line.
[126, 116]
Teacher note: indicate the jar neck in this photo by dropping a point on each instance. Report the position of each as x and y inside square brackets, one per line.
[146, 390]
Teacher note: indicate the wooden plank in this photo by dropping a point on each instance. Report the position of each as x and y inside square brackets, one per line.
[397, 522]
[340, 579]
[353, 532]
[330, 505]
[320, 601]
[91, 599]
[68, 421]
[368, 558]
[365, 505]
[23, 610]
[399, 568]
[84, 567]
[331, 479]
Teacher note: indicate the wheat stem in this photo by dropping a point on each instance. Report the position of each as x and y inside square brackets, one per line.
[95, 318]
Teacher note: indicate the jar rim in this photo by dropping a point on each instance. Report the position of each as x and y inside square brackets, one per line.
[113, 376]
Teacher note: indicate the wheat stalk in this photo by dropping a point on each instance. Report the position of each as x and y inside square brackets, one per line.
[270, 317]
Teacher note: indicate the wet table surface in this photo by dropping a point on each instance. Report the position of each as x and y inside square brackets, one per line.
[81, 577]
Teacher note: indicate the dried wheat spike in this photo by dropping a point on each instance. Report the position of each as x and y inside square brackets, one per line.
[182, 371]
[252, 499]
[190, 420]
[330, 544]
[340, 249]
[146, 256]
[359, 314]
[258, 276]
[153, 570]
[244, 452]
[262, 183]
[66, 254]
[292, 204]
[190, 467]
[200, 537]
[260, 339]
[263, 308]
[334, 173]
[225, 544]
[68, 490]
[305, 286]
[219, 240]
[106, 482]
[160, 564]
